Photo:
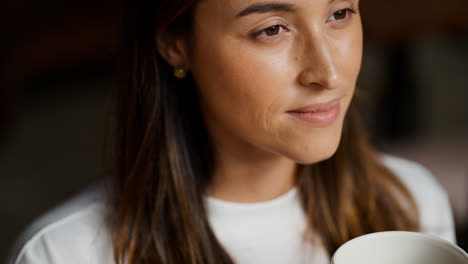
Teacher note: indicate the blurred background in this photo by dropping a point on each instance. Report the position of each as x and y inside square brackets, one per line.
[57, 74]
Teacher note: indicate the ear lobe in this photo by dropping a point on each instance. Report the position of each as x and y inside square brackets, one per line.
[172, 50]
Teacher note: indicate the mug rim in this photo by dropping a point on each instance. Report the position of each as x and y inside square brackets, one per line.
[406, 233]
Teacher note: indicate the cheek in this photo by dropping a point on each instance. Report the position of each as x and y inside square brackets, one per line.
[240, 86]
[351, 53]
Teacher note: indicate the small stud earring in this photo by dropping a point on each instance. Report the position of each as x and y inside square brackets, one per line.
[179, 72]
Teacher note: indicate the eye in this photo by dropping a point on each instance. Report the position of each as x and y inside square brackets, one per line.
[271, 31]
[342, 14]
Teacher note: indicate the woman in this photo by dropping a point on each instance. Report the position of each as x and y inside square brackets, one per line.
[238, 142]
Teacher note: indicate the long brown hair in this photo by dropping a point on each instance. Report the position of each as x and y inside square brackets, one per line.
[164, 161]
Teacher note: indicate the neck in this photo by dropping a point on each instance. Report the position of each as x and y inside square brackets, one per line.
[247, 174]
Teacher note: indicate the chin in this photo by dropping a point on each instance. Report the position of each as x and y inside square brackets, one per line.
[318, 156]
[314, 151]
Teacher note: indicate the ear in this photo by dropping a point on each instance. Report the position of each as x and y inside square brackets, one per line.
[173, 50]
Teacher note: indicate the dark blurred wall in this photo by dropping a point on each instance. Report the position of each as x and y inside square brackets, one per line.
[58, 66]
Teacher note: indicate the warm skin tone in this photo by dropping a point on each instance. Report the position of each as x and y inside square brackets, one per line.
[248, 80]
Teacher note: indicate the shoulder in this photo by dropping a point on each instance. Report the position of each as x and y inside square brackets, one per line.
[74, 232]
[433, 203]
[414, 175]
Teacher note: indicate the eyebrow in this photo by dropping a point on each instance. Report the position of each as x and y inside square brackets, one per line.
[269, 7]
[265, 8]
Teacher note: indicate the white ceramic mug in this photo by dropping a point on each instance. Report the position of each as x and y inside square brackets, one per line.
[399, 247]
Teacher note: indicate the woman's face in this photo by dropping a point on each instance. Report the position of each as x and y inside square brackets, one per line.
[278, 75]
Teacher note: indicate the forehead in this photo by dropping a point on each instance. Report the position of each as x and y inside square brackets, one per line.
[230, 9]
[226, 7]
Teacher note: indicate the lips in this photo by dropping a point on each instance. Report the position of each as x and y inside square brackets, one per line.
[321, 107]
[318, 115]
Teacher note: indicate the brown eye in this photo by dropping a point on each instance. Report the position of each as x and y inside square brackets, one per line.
[340, 15]
[343, 14]
[271, 31]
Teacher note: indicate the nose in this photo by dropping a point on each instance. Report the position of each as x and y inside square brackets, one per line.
[319, 62]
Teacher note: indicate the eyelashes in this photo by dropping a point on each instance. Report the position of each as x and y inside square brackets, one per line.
[275, 30]
[344, 12]
[272, 30]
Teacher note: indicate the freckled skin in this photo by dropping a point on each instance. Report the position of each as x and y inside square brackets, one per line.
[247, 86]
[247, 82]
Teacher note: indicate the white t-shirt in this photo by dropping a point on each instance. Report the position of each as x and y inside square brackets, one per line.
[266, 232]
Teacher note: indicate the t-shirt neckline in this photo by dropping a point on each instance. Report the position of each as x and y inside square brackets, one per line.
[289, 196]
